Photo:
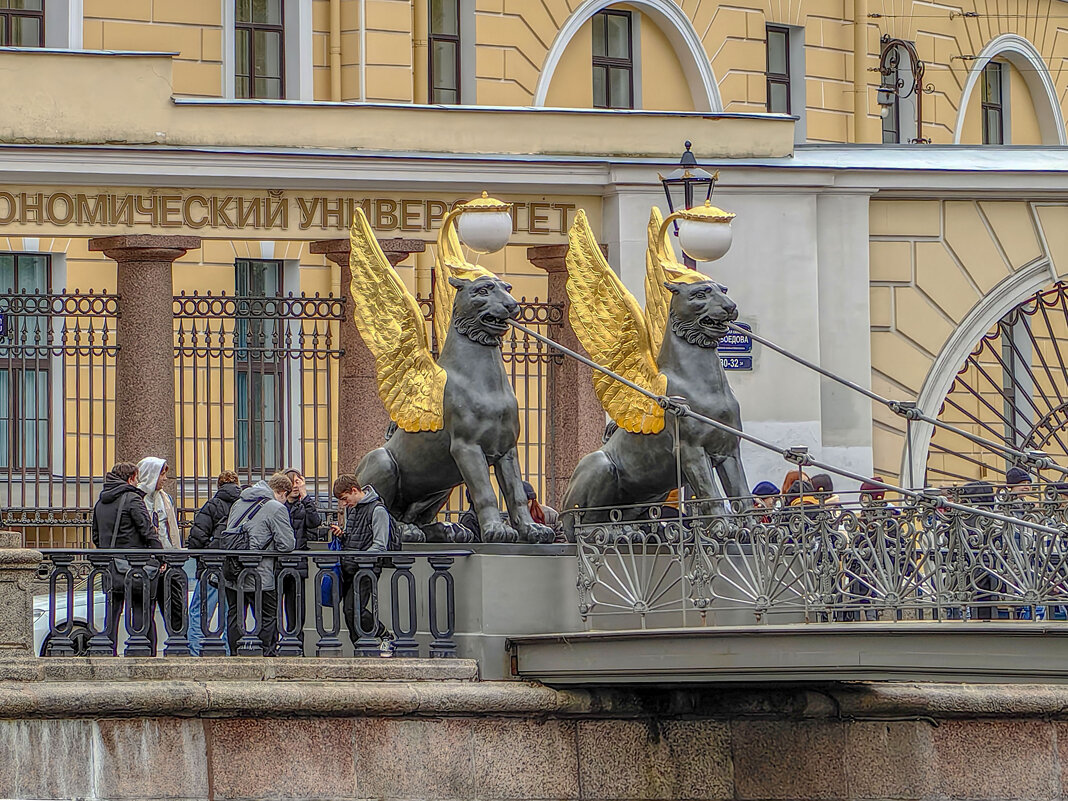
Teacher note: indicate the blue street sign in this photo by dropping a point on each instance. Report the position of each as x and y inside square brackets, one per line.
[736, 342]
[736, 362]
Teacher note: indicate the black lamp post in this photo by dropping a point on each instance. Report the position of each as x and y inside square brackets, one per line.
[683, 184]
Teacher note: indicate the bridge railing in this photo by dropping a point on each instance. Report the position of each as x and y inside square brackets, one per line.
[409, 599]
[825, 560]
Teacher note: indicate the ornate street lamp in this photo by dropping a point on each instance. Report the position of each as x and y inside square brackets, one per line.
[889, 94]
[704, 232]
[681, 186]
[484, 224]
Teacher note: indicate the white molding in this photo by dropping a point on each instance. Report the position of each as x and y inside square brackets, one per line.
[992, 307]
[63, 22]
[297, 24]
[672, 20]
[229, 56]
[1025, 57]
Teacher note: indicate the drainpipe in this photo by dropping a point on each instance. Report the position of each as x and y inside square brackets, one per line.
[335, 50]
[363, 51]
[420, 27]
[860, 72]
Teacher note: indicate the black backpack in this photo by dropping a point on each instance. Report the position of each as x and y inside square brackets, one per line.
[236, 538]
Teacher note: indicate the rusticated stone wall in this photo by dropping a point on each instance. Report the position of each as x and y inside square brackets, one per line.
[411, 729]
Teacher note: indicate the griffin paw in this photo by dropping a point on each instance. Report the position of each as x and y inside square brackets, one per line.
[539, 533]
[499, 532]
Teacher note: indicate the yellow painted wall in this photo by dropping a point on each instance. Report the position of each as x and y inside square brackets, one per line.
[572, 85]
[193, 28]
[664, 85]
[1022, 117]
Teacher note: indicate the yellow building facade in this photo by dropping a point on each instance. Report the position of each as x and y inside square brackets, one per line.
[260, 125]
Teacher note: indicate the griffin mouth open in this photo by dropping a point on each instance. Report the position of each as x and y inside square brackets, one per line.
[714, 326]
[497, 325]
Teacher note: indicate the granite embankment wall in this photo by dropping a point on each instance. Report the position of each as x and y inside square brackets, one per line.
[411, 729]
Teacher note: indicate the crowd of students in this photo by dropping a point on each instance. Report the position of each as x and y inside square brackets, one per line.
[275, 515]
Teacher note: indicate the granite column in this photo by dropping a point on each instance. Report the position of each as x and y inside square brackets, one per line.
[576, 417]
[362, 419]
[144, 364]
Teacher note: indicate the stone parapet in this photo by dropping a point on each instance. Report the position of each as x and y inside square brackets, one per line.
[18, 573]
[450, 739]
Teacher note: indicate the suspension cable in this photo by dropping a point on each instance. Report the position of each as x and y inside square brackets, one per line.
[796, 455]
[908, 409]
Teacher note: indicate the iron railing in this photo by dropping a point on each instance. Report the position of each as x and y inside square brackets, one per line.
[72, 619]
[57, 378]
[653, 566]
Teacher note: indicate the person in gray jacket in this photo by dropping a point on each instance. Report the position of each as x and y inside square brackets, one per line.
[262, 512]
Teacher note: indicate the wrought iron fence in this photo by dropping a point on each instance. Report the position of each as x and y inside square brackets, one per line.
[103, 602]
[256, 384]
[57, 380]
[653, 566]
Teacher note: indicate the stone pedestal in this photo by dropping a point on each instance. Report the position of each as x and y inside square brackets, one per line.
[362, 419]
[144, 364]
[575, 415]
[18, 567]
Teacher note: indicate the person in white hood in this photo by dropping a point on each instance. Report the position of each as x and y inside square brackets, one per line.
[151, 473]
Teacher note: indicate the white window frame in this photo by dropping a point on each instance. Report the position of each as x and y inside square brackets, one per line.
[63, 21]
[297, 46]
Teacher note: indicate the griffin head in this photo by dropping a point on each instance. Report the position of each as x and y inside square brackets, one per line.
[482, 308]
[700, 311]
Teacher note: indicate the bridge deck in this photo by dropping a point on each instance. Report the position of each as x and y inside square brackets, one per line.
[995, 651]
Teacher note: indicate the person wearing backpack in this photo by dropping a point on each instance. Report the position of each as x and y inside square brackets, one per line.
[258, 521]
[120, 520]
[206, 532]
[368, 527]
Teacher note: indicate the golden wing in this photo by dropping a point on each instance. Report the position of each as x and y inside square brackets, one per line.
[410, 383]
[613, 330]
[447, 259]
[657, 296]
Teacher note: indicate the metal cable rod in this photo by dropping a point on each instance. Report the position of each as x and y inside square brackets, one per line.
[906, 409]
[798, 456]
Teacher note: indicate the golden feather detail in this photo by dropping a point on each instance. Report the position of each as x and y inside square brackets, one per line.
[449, 262]
[613, 330]
[410, 383]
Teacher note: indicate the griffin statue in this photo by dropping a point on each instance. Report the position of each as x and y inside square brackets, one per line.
[668, 350]
[456, 417]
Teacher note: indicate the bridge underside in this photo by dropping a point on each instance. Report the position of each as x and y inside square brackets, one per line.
[1010, 651]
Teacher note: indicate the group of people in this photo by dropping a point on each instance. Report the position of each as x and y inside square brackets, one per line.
[275, 515]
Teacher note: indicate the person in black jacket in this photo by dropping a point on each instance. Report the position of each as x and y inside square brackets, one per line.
[208, 526]
[120, 520]
[367, 528]
[306, 520]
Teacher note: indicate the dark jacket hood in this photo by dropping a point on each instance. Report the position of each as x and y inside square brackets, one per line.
[114, 487]
[228, 492]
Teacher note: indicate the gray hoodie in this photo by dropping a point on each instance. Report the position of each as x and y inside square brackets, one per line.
[268, 529]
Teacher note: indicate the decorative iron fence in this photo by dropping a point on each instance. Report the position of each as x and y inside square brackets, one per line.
[256, 384]
[57, 382]
[651, 566]
[80, 615]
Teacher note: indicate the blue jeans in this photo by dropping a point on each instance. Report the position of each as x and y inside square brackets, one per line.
[196, 632]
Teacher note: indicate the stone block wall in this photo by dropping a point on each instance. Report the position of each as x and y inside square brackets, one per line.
[405, 729]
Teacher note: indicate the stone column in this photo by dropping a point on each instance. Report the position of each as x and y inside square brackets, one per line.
[361, 417]
[144, 364]
[18, 569]
[576, 417]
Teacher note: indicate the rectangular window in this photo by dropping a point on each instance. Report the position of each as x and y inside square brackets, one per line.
[993, 105]
[24, 357]
[444, 46]
[258, 344]
[613, 60]
[21, 23]
[778, 69]
[258, 49]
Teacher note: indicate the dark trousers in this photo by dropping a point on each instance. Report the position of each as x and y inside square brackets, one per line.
[348, 600]
[288, 598]
[267, 617]
[117, 597]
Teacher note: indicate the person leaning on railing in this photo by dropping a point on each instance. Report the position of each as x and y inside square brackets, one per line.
[268, 529]
[120, 520]
[206, 532]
